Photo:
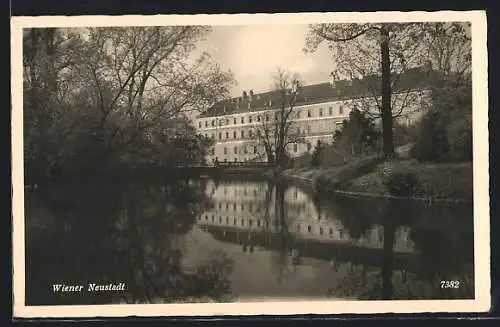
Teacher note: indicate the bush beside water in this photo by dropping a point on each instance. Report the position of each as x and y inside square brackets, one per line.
[407, 178]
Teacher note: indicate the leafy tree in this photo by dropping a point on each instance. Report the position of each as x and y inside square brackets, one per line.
[446, 129]
[357, 135]
[387, 50]
[175, 144]
[449, 49]
[92, 94]
[432, 143]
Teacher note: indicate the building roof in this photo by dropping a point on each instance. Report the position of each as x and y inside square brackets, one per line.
[415, 78]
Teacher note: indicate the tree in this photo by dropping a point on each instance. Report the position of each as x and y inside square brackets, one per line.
[93, 93]
[316, 155]
[357, 135]
[277, 129]
[175, 143]
[388, 50]
[445, 133]
[446, 129]
[449, 50]
[47, 54]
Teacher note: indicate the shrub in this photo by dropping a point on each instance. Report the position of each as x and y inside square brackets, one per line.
[404, 134]
[432, 144]
[459, 134]
[401, 183]
[341, 177]
[358, 135]
[302, 161]
[446, 130]
[331, 157]
[316, 155]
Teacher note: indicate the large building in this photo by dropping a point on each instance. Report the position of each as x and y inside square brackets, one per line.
[319, 110]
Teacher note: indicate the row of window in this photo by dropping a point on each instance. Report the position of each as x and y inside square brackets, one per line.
[259, 118]
[227, 121]
[245, 192]
[236, 191]
[235, 159]
[320, 112]
[250, 134]
[234, 135]
[234, 207]
[261, 223]
[255, 151]
[258, 208]
[298, 227]
[244, 150]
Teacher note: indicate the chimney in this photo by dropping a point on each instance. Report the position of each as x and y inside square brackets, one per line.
[332, 79]
[428, 66]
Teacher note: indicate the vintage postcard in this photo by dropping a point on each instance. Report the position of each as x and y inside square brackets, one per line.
[277, 164]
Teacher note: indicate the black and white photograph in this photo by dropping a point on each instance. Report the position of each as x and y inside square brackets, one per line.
[250, 164]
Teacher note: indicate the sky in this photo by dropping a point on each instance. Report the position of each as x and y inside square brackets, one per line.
[254, 52]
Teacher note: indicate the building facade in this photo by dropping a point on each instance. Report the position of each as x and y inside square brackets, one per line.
[318, 111]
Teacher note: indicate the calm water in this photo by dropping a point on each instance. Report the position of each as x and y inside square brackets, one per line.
[240, 240]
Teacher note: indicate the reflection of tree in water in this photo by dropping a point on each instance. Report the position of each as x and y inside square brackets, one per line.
[349, 211]
[445, 239]
[438, 253]
[287, 257]
[128, 232]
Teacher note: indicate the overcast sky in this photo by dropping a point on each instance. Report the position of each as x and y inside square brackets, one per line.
[253, 53]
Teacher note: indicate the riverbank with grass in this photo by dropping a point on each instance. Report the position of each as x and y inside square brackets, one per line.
[397, 178]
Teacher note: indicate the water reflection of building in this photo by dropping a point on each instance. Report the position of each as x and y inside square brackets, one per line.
[250, 207]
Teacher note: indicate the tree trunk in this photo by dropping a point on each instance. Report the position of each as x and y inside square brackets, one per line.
[388, 260]
[387, 133]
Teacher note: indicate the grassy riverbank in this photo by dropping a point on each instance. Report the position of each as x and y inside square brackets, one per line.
[369, 177]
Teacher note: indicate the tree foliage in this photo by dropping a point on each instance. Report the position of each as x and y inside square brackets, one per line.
[130, 232]
[445, 132]
[356, 49]
[91, 94]
[387, 49]
[449, 49]
[357, 136]
[446, 129]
